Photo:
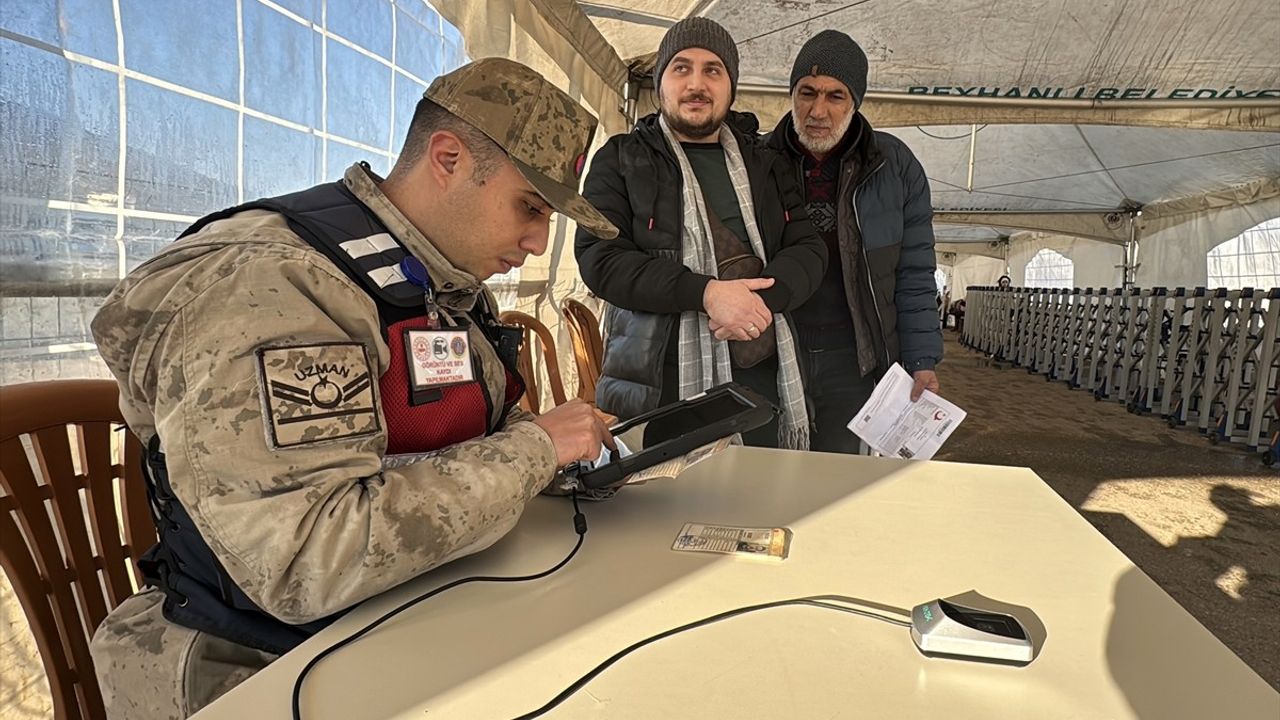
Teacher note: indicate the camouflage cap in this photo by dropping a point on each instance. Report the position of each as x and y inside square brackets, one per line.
[544, 132]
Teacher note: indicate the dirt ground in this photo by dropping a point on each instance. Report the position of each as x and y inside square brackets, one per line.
[1203, 521]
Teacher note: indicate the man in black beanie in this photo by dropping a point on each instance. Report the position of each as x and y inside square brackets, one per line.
[714, 246]
[868, 197]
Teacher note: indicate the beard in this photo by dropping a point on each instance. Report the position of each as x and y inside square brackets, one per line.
[699, 129]
[822, 145]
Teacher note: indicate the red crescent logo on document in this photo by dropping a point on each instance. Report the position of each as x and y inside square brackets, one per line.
[939, 414]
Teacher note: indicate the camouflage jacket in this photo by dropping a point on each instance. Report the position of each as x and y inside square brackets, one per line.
[308, 518]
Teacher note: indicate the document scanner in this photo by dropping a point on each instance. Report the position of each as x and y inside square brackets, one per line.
[943, 628]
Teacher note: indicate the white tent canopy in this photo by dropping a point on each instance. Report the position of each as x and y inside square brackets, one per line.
[1148, 44]
[1075, 116]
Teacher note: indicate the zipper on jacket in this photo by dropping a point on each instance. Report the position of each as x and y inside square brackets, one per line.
[866, 263]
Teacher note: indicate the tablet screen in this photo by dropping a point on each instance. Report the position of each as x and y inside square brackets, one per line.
[684, 420]
[673, 430]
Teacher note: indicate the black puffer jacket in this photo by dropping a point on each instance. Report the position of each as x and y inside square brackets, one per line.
[886, 219]
[635, 181]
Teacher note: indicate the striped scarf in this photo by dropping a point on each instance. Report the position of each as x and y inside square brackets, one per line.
[704, 361]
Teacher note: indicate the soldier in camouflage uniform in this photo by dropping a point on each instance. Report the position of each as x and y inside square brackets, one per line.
[260, 372]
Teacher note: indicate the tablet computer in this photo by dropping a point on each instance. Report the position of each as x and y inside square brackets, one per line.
[673, 430]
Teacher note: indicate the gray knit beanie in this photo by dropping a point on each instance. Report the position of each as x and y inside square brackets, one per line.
[698, 32]
[833, 53]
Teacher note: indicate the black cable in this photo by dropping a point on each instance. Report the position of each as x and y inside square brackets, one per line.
[827, 602]
[579, 526]
[952, 137]
[811, 18]
[821, 601]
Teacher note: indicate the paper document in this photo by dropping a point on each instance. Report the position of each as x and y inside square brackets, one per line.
[673, 467]
[894, 426]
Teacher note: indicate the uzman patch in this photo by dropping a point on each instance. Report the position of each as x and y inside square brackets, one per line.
[316, 393]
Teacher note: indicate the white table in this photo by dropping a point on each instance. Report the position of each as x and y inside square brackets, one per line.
[893, 532]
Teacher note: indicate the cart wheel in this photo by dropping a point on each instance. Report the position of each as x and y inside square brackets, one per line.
[1213, 438]
[1172, 422]
[1268, 458]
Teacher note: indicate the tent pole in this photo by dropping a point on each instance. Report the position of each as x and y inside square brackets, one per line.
[973, 147]
[927, 99]
[1131, 251]
[630, 93]
[548, 294]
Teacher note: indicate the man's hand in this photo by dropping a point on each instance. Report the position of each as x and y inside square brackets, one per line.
[577, 430]
[723, 333]
[925, 380]
[720, 331]
[736, 311]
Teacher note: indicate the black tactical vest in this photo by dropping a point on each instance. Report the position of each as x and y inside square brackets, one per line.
[199, 592]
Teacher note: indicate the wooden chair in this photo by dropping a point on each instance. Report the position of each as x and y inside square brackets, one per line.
[588, 347]
[532, 399]
[74, 519]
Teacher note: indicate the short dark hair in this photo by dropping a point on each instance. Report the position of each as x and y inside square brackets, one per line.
[428, 118]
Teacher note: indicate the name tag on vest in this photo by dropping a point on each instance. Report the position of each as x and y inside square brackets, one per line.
[438, 359]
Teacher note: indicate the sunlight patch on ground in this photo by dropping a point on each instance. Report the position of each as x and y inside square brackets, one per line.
[1171, 508]
[1232, 581]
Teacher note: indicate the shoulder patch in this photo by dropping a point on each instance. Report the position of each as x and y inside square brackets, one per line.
[316, 393]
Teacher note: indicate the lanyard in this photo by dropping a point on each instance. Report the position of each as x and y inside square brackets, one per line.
[416, 273]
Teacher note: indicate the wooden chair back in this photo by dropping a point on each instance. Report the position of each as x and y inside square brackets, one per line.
[534, 327]
[588, 346]
[74, 520]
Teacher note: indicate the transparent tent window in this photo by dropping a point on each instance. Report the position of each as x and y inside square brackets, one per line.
[1251, 259]
[96, 175]
[1050, 269]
